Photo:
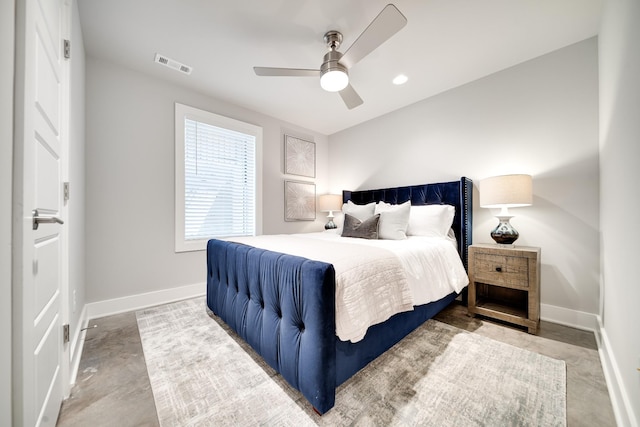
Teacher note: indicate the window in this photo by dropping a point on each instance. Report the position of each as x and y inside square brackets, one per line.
[217, 162]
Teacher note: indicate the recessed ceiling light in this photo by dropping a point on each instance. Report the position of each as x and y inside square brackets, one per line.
[400, 79]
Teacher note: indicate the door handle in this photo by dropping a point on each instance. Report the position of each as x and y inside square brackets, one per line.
[37, 219]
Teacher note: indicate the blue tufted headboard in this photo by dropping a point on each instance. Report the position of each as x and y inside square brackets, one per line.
[456, 193]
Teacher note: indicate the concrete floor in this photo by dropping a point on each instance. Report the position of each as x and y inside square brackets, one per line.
[112, 386]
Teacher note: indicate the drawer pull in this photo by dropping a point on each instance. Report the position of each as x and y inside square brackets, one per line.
[499, 269]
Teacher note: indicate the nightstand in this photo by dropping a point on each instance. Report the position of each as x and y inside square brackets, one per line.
[504, 284]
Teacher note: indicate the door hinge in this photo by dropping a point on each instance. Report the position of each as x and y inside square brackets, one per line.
[65, 333]
[67, 49]
[66, 191]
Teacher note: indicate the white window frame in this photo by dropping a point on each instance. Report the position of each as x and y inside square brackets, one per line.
[183, 112]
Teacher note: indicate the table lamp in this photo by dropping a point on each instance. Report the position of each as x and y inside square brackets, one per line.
[506, 191]
[330, 203]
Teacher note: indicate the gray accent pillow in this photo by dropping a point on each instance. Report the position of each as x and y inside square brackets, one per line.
[367, 229]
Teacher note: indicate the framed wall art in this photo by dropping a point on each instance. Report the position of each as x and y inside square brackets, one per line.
[299, 201]
[299, 157]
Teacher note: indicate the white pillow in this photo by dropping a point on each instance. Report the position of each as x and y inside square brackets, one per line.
[430, 220]
[362, 212]
[394, 220]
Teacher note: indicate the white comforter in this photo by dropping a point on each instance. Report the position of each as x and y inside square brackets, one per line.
[375, 279]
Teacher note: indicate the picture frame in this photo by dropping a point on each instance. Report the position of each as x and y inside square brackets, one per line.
[299, 201]
[299, 157]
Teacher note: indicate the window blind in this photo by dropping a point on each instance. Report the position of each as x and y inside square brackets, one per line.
[219, 184]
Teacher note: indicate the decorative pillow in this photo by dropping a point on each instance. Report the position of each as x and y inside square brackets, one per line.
[430, 220]
[367, 229]
[394, 220]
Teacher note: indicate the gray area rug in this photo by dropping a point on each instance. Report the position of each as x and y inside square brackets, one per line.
[202, 374]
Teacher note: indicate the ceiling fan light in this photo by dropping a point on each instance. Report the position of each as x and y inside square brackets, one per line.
[334, 80]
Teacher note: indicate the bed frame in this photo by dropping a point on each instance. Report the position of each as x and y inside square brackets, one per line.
[284, 305]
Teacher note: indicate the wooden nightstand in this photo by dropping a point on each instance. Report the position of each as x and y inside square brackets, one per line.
[504, 284]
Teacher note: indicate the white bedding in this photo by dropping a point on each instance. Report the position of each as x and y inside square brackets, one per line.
[375, 279]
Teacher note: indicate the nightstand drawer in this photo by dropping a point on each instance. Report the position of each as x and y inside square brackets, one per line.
[501, 270]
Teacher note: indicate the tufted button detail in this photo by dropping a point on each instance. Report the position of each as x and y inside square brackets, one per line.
[301, 327]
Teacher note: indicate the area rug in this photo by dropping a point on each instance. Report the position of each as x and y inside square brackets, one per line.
[202, 374]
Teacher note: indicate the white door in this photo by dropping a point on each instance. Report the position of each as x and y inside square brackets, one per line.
[38, 254]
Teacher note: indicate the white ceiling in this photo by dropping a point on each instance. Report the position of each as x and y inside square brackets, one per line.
[446, 43]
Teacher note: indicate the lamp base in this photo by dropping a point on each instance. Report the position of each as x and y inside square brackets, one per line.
[504, 233]
[330, 225]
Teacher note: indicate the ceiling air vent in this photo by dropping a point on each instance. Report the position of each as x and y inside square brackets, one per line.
[168, 62]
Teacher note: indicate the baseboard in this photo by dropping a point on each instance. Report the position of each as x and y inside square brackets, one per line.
[149, 299]
[622, 407]
[77, 344]
[567, 317]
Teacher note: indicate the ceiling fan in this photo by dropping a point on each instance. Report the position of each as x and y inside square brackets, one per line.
[334, 75]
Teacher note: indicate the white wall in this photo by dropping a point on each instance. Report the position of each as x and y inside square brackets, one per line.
[7, 28]
[76, 178]
[539, 117]
[130, 181]
[620, 199]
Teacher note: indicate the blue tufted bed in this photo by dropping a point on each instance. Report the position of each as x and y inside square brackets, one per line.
[284, 305]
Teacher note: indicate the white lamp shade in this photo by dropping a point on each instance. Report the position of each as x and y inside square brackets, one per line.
[508, 191]
[330, 202]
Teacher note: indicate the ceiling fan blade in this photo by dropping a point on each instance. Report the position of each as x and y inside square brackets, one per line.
[284, 72]
[350, 97]
[386, 24]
